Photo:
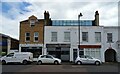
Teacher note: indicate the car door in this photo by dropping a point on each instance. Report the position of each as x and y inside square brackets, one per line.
[83, 59]
[18, 57]
[49, 59]
[90, 60]
[10, 58]
[43, 58]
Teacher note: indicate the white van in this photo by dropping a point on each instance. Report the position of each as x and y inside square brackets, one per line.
[21, 57]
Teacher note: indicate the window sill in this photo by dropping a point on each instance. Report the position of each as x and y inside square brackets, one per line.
[36, 41]
[53, 40]
[66, 41]
[84, 41]
[27, 41]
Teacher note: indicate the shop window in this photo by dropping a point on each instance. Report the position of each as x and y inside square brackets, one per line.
[93, 52]
[51, 52]
[81, 52]
[64, 52]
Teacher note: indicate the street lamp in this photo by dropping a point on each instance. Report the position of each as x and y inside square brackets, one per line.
[79, 15]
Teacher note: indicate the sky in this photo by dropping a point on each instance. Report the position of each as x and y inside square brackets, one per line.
[14, 11]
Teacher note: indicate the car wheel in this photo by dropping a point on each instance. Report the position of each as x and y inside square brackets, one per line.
[79, 62]
[97, 63]
[39, 62]
[3, 62]
[56, 62]
[25, 62]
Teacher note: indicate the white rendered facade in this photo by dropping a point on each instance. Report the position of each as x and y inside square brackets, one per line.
[91, 47]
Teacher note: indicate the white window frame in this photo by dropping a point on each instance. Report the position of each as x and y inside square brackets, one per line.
[98, 37]
[110, 37]
[36, 36]
[86, 37]
[32, 23]
[53, 37]
[66, 37]
[26, 37]
[118, 46]
[93, 52]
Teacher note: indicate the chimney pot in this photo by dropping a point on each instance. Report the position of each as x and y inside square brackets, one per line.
[96, 13]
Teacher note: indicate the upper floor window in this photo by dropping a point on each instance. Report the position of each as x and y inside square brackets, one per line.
[67, 36]
[54, 36]
[85, 36]
[36, 34]
[32, 23]
[118, 45]
[27, 36]
[109, 37]
[97, 36]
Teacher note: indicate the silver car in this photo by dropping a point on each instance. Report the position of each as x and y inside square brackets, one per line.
[48, 59]
[87, 60]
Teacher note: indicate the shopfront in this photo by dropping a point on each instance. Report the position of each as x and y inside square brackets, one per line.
[35, 50]
[61, 51]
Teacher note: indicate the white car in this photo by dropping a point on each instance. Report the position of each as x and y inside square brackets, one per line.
[48, 59]
[19, 57]
[87, 60]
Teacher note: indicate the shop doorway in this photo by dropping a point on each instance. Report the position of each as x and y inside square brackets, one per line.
[74, 54]
[58, 52]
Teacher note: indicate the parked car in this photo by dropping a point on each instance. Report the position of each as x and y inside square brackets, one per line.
[48, 59]
[19, 57]
[87, 60]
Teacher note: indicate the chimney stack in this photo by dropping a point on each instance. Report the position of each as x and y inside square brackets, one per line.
[46, 15]
[47, 18]
[96, 18]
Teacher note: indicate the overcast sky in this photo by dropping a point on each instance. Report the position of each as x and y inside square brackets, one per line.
[14, 12]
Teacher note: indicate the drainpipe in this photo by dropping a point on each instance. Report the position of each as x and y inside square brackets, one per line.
[9, 45]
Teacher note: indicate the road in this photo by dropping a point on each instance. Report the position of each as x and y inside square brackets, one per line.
[65, 67]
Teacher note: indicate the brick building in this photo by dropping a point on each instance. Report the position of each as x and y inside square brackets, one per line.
[32, 34]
